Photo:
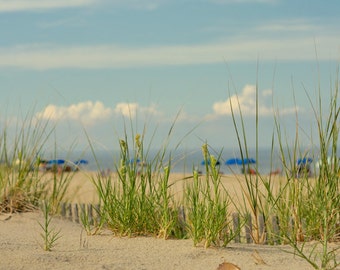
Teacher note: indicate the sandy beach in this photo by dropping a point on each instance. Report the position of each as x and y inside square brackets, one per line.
[20, 249]
[82, 190]
[20, 245]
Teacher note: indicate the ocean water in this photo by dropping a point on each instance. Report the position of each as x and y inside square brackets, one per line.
[186, 160]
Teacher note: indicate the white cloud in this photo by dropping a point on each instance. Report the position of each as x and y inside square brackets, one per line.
[86, 112]
[151, 110]
[131, 110]
[246, 103]
[24, 5]
[127, 109]
[109, 56]
[89, 113]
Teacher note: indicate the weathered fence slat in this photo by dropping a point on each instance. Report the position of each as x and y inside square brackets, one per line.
[236, 227]
[76, 213]
[69, 207]
[248, 228]
[63, 210]
[262, 229]
[90, 213]
[182, 218]
[276, 230]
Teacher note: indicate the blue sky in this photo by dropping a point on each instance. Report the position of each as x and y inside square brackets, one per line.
[95, 64]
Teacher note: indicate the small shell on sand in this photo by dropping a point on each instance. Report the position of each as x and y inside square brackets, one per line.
[228, 266]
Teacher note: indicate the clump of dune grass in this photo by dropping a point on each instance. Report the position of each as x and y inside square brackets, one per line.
[207, 206]
[136, 200]
[20, 185]
[308, 208]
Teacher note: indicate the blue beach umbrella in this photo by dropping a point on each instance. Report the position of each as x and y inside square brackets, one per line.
[233, 161]
[249, 161]
[56, 161]
[304, 160]
[133, 160]
[81, 162]
[204, 162]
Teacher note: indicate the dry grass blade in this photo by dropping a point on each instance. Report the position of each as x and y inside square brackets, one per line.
[257, 258]
[16, 201]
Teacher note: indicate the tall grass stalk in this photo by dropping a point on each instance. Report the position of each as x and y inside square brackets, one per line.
[58, 184]
[49, 235]
[207, 206]
[253, 199]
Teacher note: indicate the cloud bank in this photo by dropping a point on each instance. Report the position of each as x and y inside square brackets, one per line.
[86, 112]
[44, 57]
[89, 113]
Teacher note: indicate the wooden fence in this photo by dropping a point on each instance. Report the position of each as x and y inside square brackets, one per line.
[245, 231]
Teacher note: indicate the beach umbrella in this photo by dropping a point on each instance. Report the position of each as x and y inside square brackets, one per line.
[56, 161]
[133, 160]
[204, 162]
[249, 161]
[81, 162]
[304, 160]
[233, 161]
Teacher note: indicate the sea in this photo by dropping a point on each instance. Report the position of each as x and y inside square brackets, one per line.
[185, 161]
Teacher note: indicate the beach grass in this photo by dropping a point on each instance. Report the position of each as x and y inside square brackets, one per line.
[49, 235]
[138, 200]
[308, 207]
[208, 220]
[21, 187]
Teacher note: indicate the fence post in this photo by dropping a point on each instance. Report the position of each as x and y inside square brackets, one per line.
[83, 214]
[63, 210]
[98, 215]
[248, 229]
[262, 229]
[181, 218]
[236, 227]
[69, 208]
[76, 213]
[276, 229]
[90, 213]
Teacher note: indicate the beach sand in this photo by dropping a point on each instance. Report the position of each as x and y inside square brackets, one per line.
[82, 190]
[20, 245]
[20, 248]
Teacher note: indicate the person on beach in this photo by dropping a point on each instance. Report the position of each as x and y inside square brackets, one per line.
[249, 170]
